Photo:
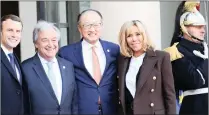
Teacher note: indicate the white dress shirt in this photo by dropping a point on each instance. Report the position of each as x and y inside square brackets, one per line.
[57, 73]
[131, 75]
[87, 56]
[6, 53]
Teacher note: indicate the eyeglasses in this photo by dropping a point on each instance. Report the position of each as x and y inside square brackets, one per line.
[95, 25]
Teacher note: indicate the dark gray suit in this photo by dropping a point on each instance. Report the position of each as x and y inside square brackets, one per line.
[42, 97]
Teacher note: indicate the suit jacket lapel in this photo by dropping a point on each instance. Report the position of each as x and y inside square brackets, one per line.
[65, 79]
[122, 70]
[79, 57]
[42, 75]
[19, 68]
[6, 62]
[107, 56]
[146, 68]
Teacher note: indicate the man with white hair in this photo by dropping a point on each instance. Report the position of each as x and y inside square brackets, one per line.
[50, 79]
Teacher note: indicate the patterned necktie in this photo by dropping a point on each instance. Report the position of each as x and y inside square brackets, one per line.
[52, 78]
[96, 66]
[12, 61]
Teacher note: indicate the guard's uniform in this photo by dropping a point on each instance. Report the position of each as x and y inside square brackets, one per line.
[190, 61]
[191, 75]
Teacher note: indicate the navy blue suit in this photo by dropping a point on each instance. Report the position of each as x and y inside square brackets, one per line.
[88, 90]
[42, 97]
[14, 94]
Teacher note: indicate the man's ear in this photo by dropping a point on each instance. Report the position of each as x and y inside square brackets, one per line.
[36, 45]
[1, 34]
[79, 28]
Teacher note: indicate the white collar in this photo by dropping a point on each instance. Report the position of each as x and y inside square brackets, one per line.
[88, 46]
[6, 51]
[139, 57]
[45, 61]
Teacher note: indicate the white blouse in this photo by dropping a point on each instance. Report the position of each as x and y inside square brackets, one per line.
[134, 66]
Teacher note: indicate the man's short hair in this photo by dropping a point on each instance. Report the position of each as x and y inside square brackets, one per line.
[44, 25]
[79, 16]
[12, 17]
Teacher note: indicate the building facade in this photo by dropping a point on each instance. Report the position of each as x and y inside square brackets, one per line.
[158, 17]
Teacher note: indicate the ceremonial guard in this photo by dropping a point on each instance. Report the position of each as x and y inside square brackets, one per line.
[189, 56]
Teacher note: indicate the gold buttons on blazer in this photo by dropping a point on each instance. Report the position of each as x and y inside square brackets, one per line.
[152, 90]
[154, 78]
[152, 104]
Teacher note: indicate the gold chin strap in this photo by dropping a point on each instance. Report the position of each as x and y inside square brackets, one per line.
[173, 51]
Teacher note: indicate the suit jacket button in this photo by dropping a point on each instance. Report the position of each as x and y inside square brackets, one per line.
[18, 92]
[152, 90]
[59, 108]
[154, 78]
[152, 104]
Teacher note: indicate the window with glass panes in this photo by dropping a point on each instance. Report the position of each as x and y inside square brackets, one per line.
[64, 15]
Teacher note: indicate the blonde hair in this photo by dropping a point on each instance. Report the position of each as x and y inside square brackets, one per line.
[124, 32]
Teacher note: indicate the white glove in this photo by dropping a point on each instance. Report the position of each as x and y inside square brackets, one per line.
[199, 54]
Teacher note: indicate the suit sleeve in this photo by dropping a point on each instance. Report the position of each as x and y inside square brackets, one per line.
[27, 103]
[75, 102]
[60, 53]
[168, 85]
[26, 96]
[75, 99]
[187, 76]
[203, 70]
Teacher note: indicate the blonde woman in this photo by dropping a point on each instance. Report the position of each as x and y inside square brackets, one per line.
[146, 84]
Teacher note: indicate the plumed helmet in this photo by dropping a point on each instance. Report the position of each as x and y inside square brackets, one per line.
[191, 16]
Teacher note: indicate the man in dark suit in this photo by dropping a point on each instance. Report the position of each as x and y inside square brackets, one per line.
[50, 79]
[96, 77]
[14, 95]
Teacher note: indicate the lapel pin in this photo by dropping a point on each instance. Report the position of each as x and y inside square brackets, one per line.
[108, 50]
[63, 67]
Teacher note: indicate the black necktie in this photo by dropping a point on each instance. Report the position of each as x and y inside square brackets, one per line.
[12, 61]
